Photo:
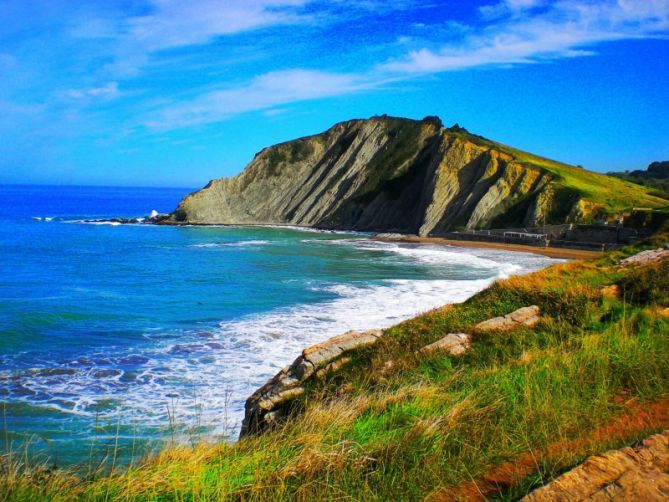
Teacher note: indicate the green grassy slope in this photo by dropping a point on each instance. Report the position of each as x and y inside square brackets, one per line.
[430, 425]
[613, 194]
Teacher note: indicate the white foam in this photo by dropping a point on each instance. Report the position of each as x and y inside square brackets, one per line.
[315, 230]
[504, 262]
[85, 222]
[234, 244]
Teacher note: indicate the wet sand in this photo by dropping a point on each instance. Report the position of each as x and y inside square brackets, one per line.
[566, 253]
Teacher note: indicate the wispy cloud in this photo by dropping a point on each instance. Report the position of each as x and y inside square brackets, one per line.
[507, 33]
[264, 92]
[132, 36]
[105, 91]
[117, 46]
[530, 31]
[174, 23]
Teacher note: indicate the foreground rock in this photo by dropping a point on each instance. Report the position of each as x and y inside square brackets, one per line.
[453, 344]
[629, 474]
[155, 218]
[646, 257]
[526, 316]
[275, 400]
[271, 402]
[458, 343]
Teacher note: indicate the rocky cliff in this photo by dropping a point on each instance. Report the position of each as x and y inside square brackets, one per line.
[387, 174]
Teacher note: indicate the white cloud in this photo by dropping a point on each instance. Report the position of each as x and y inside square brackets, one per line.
[567, 28]
[169, 24]
[264, 92]
[174, 23]
[130, 38]
[529, 33]
[106, 91]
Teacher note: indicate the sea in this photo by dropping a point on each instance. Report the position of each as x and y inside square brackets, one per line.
[118, 339]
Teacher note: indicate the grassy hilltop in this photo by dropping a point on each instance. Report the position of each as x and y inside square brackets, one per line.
[609, 195]
[511, 413]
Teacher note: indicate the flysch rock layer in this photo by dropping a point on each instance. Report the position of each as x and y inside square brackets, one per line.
[526, 316]
[384, 174]
[628, 474]
[646, 257]
[271, 402]
[453, 343]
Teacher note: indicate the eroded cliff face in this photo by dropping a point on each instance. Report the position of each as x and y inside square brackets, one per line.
[382, 174]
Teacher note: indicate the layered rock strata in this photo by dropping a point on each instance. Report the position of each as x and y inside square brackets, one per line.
[384, 174]
[640, 473]
[272, 401]
[275, 400]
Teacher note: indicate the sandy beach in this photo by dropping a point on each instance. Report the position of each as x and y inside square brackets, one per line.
[569, 254]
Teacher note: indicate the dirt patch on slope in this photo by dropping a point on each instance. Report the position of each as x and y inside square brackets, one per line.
[635, 419]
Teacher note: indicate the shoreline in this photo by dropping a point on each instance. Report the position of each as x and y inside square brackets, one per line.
[550, 252]
[563, 253]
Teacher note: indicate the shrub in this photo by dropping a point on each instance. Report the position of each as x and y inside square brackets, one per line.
[647, 284]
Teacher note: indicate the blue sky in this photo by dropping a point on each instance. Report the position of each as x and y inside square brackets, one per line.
[174, 93]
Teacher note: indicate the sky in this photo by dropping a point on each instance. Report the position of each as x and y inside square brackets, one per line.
[175, 93]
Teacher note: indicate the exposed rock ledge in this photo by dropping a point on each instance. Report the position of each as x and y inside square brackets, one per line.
[646, 257]
[628, 474]
[271, 402]
[274, 400]
[526, 316]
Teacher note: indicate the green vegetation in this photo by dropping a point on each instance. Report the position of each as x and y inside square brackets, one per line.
[292, 151]
[612, 194]
[655, 177]
[396, 426]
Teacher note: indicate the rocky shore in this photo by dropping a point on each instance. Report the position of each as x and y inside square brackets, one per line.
[276, 400]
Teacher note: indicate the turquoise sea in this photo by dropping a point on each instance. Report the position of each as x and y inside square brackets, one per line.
[117, 337]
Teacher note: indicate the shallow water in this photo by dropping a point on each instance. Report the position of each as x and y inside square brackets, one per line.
[126, 334]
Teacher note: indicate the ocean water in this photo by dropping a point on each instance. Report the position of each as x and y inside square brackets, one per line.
[121, 337]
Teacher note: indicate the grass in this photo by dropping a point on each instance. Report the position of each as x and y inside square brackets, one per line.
[612, 194]
[591, 376]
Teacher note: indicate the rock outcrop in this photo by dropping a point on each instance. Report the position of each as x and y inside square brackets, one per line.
[526, 316]
[639, 473]
[272, 401]
[384, 174]
[646, 257]
[453, 344]
[458, 343]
